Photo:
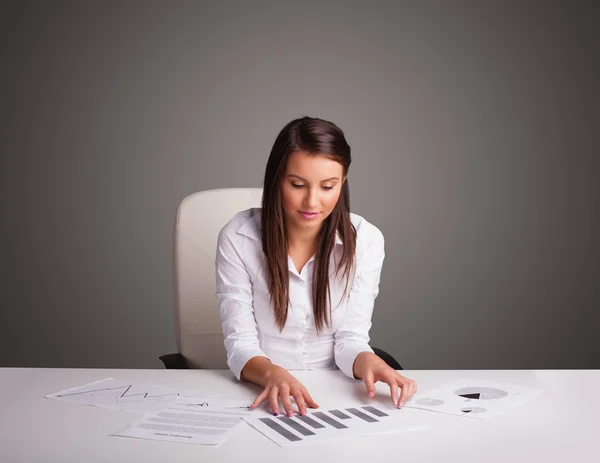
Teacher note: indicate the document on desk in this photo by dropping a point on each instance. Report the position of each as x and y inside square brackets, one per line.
[191, 420]
[330, 424]
[129, 396]
[473, 399]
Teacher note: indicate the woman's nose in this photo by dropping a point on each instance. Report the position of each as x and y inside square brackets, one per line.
[311, 199]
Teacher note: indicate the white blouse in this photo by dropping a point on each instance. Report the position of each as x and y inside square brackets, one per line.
[247, 317]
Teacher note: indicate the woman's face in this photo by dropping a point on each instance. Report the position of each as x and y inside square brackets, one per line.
[311, 188]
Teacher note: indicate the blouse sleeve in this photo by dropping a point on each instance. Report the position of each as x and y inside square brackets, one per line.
[352, 337]
[234, 297]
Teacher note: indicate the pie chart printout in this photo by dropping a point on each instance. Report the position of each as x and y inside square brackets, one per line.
[473, 410]
[474, 398]
[481, 393]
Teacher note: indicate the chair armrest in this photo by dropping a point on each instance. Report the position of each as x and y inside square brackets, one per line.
[174, 361]
[177, 361]
[387, 358]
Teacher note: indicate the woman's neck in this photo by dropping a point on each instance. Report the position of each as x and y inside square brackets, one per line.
[302, 239]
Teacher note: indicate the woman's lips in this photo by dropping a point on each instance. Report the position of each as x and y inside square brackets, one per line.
[308, 215]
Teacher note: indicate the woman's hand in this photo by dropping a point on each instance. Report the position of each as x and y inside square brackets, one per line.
[371, 368]
[280, 384]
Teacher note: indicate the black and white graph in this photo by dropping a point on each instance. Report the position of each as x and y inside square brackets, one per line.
[473, 399]
[129, 396]
[328, 424]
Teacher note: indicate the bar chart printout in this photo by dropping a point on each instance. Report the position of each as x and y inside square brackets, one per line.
[327, 425]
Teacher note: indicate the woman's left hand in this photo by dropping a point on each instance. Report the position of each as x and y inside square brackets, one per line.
[370, 368]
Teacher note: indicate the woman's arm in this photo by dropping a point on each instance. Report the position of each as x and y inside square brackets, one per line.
[234, 297]
[257, 370]
[352, 336]
[244, 355]
[353, 354]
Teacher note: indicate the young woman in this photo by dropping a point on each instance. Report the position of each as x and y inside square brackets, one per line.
[297, 278]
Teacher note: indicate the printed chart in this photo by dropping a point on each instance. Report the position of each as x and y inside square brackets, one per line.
[330, 424]
[134, 397]
[474, 399]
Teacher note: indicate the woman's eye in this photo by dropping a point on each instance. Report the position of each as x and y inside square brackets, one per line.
[297, 185]
[327, 187]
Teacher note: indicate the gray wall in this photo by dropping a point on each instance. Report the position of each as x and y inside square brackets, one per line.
[474, 129]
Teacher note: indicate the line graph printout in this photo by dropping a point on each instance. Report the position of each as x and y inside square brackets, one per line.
[128, 396]
[332, 424]
[191, 420]
[473, 399]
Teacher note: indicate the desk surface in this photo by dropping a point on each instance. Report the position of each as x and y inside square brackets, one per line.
[560, 425]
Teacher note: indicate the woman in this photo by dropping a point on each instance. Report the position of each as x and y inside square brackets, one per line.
[297, 278]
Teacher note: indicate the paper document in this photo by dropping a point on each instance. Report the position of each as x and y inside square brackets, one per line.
[329, 424]
[191, 420]
[129, 396]
[473, 399]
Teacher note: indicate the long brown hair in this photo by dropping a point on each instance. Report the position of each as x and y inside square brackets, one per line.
[318, 137]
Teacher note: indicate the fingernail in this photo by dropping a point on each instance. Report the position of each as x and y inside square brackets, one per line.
[401, 404]
[275, 413]
[371, 394]
[290, 414]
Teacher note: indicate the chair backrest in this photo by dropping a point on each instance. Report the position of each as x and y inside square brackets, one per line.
[200, 218]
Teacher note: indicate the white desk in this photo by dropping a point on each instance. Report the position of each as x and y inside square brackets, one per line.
[561, 425]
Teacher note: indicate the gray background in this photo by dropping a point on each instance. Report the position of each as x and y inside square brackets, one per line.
[474, 129]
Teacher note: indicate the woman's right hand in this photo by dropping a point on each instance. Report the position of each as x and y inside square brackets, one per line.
[280, 384]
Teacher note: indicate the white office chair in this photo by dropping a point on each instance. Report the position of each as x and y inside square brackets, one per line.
[200, 218]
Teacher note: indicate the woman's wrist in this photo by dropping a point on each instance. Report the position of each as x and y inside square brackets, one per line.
[358, 366]
[257, 370]
[271, 369]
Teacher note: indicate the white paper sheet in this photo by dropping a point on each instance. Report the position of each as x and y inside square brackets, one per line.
[473, 399]
[129, 396]
[330, 424]
[191, 420]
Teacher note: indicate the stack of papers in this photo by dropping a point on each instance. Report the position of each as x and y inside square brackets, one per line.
[175, 415]
[127, 396]
[192, 420]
